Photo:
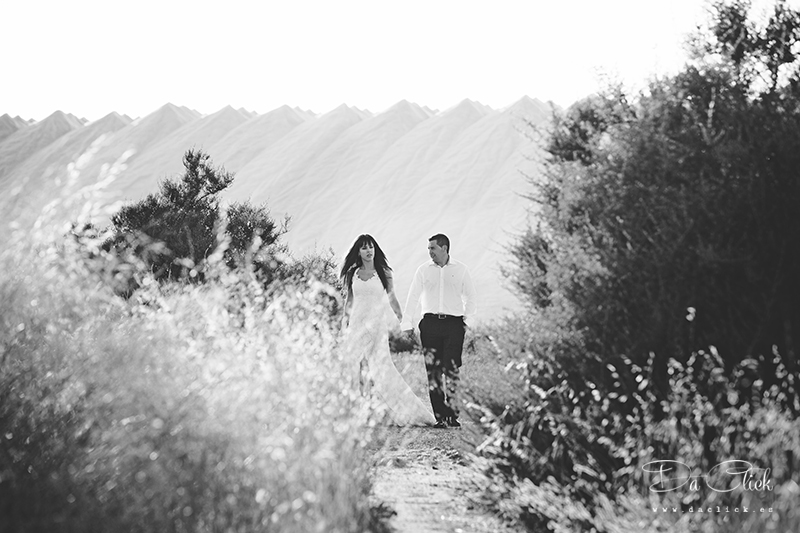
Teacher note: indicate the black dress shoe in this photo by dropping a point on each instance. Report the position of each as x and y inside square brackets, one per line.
[453, 422]
[440, 424]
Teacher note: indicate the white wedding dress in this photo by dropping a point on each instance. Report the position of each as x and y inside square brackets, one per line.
[367, 350]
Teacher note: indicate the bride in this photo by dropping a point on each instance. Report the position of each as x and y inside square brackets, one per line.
[368, 280]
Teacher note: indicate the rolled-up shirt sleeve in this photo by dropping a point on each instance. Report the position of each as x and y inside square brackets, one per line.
[469, 297]
[412, 301]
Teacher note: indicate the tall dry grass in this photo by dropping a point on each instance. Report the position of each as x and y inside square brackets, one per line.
[560, 457]
[215, 407]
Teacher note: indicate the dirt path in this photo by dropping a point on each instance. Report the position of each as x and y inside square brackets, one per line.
[423, 476]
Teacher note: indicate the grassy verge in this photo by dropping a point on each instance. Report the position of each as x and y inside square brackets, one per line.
[563, 456]
[219, 407]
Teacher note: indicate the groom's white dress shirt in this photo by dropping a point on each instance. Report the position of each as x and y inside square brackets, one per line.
[446, 290]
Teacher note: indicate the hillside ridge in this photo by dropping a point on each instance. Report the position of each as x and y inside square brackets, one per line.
[401, 174]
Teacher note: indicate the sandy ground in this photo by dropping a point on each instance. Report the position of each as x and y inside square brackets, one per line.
[423, 476]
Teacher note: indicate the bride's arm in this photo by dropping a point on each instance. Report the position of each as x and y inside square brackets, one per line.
[392, 298]
[348, 304]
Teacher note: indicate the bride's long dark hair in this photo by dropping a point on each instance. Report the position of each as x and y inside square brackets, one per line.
[352, 261]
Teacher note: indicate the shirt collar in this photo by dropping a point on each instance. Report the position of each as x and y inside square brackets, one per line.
[450, 261]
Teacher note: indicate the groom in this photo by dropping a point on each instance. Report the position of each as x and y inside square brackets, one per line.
[444, 288]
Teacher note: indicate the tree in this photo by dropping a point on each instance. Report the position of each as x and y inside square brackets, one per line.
[176, 229]
[662, 279]
[670, 220]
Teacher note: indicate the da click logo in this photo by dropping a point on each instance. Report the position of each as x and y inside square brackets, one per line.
[727, 476]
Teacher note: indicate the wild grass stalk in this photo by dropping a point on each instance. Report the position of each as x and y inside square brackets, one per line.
[215, 407]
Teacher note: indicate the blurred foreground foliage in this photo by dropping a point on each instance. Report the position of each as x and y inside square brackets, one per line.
[218, 406]
[663, 296]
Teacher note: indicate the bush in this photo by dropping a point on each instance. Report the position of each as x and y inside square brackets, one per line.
[176, 229]
[573, 458]
[662, 294]
[400, 342]
[681, 201]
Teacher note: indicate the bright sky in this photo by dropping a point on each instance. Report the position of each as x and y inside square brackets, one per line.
[91, 57]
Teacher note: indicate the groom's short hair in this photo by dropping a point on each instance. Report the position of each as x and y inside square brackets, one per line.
[442, 240]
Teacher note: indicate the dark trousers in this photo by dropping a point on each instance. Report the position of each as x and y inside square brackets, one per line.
[442, 342]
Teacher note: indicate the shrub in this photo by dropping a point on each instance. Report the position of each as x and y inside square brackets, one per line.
[176, 229]
[400, 341]
[681, 198]
[572, 458]
[661, 283]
